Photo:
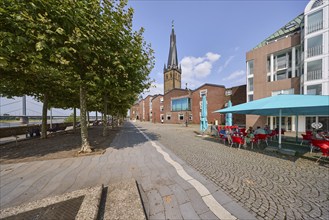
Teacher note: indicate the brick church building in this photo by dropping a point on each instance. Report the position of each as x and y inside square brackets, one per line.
[177, 105]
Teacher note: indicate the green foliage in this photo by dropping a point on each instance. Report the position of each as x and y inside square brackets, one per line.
[71, 118]
[51, 48]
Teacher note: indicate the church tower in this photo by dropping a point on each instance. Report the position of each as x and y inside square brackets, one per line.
[172, 72]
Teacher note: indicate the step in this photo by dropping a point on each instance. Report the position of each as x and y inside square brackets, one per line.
[122, 201]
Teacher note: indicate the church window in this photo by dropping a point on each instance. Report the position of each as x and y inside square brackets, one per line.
[170, 75]
[167, 76]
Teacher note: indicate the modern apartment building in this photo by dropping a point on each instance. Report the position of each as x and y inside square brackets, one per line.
[293, 60]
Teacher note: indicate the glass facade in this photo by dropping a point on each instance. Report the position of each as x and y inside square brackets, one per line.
[250, 84]
[250, 68]
[182, 104]
[315, 21]
[314, 70]
[314, 89]
[314, 46]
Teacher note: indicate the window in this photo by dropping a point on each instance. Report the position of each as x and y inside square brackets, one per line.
[203, 92]
[228, 92]
[314, 89]
[161, 108]
[181, 117]
[182, 104]
[281, 62]
[281, 75]
[168, 117]
[250, 98]
[314, 46]
[315, 21]
[190, 117]
[250, 67]
[161, 100]
[314, 70]
[250, 84]
[287, 92]
[317, 3]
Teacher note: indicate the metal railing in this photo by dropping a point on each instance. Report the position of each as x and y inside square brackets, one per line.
[314, 75]
[314, 51]
[314, 27]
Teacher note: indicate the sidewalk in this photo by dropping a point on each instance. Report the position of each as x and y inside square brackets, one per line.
[170, 188]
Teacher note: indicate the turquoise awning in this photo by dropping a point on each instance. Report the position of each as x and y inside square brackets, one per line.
[288, 104]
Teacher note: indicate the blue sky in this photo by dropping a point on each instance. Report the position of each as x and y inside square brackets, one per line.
[213, 38]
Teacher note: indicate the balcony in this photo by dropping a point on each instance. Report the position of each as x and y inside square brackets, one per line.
[314, 51]
[315, 27]
[314, 75]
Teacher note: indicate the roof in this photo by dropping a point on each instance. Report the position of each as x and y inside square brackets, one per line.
[208, 84]
[172, 58]
[291, 27]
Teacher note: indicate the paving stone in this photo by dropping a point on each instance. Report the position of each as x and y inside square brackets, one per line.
[208, 215]
[188, 212]
[180, 193]
[197, 202]
[155, 202]
[172, 210]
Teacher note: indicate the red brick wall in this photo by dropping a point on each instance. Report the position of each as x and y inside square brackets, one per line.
[147, 107]
[134, 112]
[215, 100]
[262, 88]
[175, 93]
[156, 113]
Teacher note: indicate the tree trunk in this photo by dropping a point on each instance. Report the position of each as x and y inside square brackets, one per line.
[88, 121]
[74, 119]
[105, 127]
[44, 117]
[85, 146]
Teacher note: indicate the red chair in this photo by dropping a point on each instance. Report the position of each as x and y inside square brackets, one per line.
[309, 133]
[223, 138]
[324, 147]
[272, 134]
[307, 138]
[261, 137]
[316, 143]
[237, 140]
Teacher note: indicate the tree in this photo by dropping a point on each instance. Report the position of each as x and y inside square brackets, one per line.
[69, 47]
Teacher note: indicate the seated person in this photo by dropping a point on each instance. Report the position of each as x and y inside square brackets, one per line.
[319, 135]
[248, 138]
[259, 130]
[267, 129]
[250, 129]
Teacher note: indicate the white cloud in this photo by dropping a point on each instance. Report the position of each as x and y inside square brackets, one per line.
[156, 88]
[212, 56]
[194, 68]
[227, 62]
[235, 75]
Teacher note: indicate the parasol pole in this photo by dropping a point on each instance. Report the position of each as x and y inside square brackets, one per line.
[280, 114]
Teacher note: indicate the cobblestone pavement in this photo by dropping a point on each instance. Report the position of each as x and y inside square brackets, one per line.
[270, 186]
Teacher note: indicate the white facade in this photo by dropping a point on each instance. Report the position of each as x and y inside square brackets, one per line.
[316, 48]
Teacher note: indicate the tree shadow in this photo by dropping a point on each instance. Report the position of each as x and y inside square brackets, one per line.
[131, 136]
[56, 146]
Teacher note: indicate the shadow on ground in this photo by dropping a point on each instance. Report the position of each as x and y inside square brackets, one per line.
[58, 145]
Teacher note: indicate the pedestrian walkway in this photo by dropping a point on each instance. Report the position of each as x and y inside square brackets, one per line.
[170, 188]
